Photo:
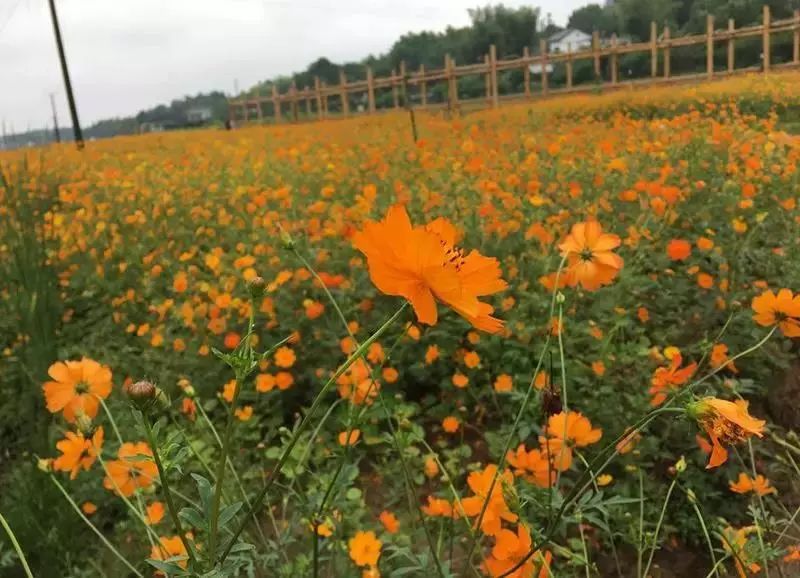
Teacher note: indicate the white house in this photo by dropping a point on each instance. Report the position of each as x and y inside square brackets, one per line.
[569, 39]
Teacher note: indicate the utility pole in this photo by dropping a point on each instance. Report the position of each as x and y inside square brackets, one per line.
[73, 110]
[55, 117]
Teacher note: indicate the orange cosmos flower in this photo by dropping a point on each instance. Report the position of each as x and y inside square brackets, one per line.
[438, 507]
[719, 358]
[78, 452]
[666, 379]
[77, 388]
[285, 357]
[562, 433]
[725, 422]
[735, 543]
[130, 471]
[365, 548]
[532, 466]
[782, 310]
[423, 265]
[793, 554]
[511, 547]
[353, 437]
[155, 513]
[450, 424]
[503, 383]
[497, 510]
[170, 548]
[679, 249]
[591, 261]
[760, 485]
[389, 521]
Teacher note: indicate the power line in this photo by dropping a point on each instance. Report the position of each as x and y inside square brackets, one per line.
[73, 109]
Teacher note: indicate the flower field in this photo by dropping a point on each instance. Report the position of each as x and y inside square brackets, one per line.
[553, 339]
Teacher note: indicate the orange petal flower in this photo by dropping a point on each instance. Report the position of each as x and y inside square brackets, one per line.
[130, 472]
[782, 310]
[725, 423]
[423, 265]
[365, 549]
[77, 388]
[745, 484]
[170, 548]
[78, 452]
[591, 261]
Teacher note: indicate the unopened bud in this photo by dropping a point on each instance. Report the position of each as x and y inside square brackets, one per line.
[84, 424]
[142, 393]
[691, 495]
[286, 239]
[256, 287]
[680, 465]
[45, 465]
[560, 298]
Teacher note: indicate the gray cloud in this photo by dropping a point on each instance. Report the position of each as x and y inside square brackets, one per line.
[126, 55]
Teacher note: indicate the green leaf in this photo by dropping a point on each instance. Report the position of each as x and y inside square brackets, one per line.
[192, 517]
[205, 491]
[168, 568]
[228, 512]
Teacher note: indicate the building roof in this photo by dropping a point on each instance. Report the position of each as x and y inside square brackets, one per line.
[559, 36]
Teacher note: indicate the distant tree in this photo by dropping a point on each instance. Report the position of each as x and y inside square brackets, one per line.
[593, 17]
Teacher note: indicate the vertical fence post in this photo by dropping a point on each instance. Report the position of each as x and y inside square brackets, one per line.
[613, 60]
[370, 91]
[569, 65]
[653, 49]
[796, 43]
[276, 103]
[543, 51]
[667, 55]
[487, 79]
[423, 87]
[343, 93]
[710, 46]
[293, 101]
[766, 45]
[245, 107]
[596, 55]
[526, 71]
[318, 97]
[307, 93]
[403, 83]
[325, 95]
[452, 83]
[731, 45]
[493, 64]
[395, 97]
[259, 112]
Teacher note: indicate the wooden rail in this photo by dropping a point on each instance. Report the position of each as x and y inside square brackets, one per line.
[317, 99]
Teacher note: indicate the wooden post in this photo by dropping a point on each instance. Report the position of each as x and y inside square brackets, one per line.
[543, 51]
[526, 71]
[307, 93]
[731, 51]
[293, 101]
[276, 103]
[343, 93]
[569, 65]
[493, 64]
[613, 60]
[318, 97]
[653, 49]
[370, 91]
[710, 46]
[423, 87]
[667, 60]
[403, 84]
[796, 44]
[766, 45]
[325, 101]
[487, 79]
[596, 54]
[452, 83]
[245, 107]
[259, 113]
[395, 97]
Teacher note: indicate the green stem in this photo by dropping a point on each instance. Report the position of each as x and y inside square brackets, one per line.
[762, 512]
[306, 421]
[94, 529]
[520, 413]
[583, 545]
[17, 547]
[658, 526]
[640, 545]
[693, 501]
[162, 474]
[715, 568]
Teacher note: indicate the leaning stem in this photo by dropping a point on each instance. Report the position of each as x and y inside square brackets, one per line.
[306, 421]
[17, 547]
[162, 474]
[658, 526]
[94, 529]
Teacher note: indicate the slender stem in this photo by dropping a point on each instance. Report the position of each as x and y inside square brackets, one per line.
[658, 526]
[221, 467]
[306, 421]
[583, 545]
[162, 474]
[693, 501]
[640, 545]
[762, 511]
[111, 419]
[99, 534]
[520, 413]
[17, 547]
[715, 568]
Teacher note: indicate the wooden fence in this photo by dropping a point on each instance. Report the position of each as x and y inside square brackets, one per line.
[315, 102]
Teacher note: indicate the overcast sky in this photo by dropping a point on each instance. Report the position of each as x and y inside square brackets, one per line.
[126, 55]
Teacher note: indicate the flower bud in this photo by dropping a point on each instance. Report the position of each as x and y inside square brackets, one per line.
[286, 239]
[141, 394]
[560, 298]
[256, 287]
[680, 465]
[45, 464]
[84, 424]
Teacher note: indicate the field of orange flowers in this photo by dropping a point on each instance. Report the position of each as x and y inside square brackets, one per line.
[554, 339]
